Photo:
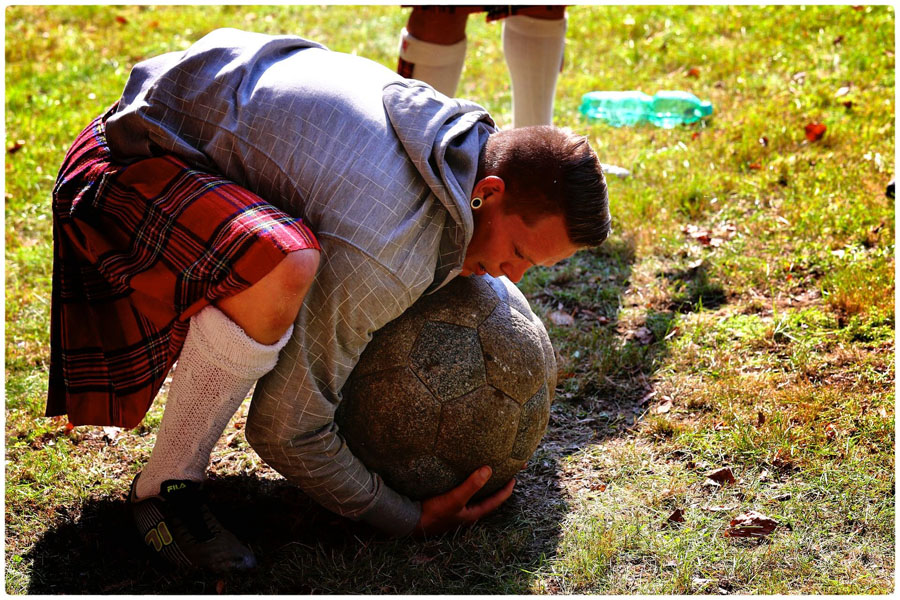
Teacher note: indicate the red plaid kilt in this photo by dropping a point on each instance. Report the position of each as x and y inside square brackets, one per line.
[137, 250]
[492, 12]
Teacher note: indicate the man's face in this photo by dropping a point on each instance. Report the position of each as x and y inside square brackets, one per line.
[502, 244]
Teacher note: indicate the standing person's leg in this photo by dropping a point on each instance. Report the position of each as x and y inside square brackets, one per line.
[433, 46]
[534, 41]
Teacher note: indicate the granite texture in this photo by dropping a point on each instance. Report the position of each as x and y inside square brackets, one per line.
[464, 378]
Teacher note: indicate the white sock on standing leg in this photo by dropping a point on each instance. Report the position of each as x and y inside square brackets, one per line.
[437, 65]
[216, 369]
[534, 56]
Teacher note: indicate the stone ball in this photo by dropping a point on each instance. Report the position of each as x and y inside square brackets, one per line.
[464, 378]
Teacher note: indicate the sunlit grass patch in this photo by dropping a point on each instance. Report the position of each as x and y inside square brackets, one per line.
[769, 351]
[862, 288]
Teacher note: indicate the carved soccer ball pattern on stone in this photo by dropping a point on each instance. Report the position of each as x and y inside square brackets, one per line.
[464, 378]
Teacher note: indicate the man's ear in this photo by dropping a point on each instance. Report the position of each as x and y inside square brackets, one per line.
[490, 189]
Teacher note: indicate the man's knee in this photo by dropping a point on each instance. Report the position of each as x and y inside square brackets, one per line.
[297, 271]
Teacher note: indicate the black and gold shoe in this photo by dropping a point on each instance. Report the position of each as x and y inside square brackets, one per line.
[178, 526]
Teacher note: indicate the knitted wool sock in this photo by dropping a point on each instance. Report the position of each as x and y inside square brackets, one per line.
[534, 55]
[216, 369]
[437, 65]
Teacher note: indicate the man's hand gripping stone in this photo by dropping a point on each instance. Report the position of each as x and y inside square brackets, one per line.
[451, 510]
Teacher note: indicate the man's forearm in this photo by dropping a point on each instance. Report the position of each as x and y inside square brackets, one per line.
[322, 465]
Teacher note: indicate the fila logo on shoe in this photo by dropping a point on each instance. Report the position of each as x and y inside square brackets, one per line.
[176, 486]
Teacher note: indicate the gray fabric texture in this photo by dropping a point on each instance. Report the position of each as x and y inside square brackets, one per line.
[379, 167]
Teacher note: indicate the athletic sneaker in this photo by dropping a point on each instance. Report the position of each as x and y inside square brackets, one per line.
[178, 525]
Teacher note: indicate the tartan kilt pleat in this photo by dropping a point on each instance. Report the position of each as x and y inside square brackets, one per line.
[137, 249]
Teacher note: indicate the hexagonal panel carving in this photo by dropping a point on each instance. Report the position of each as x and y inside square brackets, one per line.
[465, 301]
[532, 424]
[448, 359]
[477, 429]
[507, 291]
[391, 345]
[421, 477]
[388, 414]
[513, 353]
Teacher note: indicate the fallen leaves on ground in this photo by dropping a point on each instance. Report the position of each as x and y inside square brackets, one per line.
[751, 524]
[643, 336]
[677, 516]
[721, 476]
[664, 406]
[782, 460]
[815, 131]
[233, 441]
[111, 434]
[714, 236]
[562, 319]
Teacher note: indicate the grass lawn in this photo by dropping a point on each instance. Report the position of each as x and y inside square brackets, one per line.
[741, 316]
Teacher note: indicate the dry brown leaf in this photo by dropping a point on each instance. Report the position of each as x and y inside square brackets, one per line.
[751, 524]
[110, 434]
[648, 396]
[664, 406]
[563, 319]
[643, 335]
[677, 516]
[815, 131]
[721, 476]
[781, 460]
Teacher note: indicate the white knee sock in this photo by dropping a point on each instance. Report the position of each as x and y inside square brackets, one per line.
[534, 53]
[216, 369]
[436, 64]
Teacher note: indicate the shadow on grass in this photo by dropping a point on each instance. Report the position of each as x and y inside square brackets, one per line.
[301, 549]
[611, 354]
[304, 549]
[694, 290]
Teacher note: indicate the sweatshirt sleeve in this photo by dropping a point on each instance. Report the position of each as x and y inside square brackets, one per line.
[291, 420]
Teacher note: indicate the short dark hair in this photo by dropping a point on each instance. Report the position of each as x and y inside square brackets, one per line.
[547, 171]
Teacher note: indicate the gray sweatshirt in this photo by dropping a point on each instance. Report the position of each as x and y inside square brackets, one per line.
[379, 167]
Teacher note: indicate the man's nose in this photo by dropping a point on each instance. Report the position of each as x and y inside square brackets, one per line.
[514, 271]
